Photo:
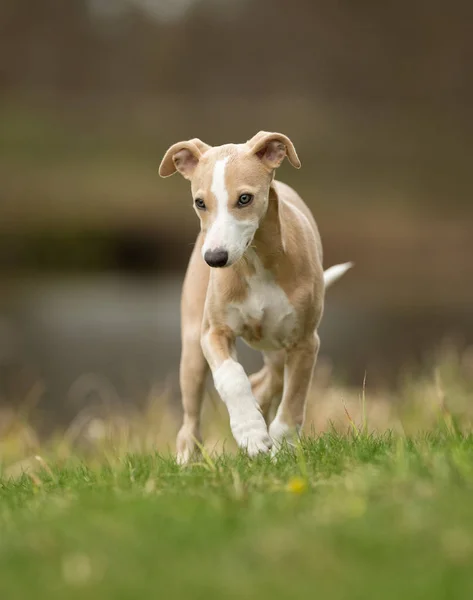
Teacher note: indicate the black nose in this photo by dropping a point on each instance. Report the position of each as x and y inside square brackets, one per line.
[216, 258]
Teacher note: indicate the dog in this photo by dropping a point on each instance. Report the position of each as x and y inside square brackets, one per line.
[256, 273]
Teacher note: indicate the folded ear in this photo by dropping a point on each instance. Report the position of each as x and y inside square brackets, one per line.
[272, 149]
[182, 157]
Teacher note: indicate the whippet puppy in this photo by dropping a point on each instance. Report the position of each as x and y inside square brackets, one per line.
[256, 273]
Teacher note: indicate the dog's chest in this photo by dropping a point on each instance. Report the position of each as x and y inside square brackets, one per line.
[265, 319]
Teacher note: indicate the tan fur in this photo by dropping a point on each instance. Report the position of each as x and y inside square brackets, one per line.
[280, 269]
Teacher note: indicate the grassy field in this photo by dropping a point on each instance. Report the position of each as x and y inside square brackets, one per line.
[375, 502]
[343, 516]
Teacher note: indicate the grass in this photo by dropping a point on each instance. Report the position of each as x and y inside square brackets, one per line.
[375, 502]
[354, 515]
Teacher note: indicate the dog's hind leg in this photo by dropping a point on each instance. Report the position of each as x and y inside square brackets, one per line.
[298, 369]
[267, 383]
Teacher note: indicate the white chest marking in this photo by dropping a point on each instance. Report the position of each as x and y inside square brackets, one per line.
[266, 319]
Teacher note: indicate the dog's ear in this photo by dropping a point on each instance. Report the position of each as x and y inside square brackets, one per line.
[272, 148]
[182, 157]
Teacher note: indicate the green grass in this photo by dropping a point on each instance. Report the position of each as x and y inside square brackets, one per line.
[345, 516]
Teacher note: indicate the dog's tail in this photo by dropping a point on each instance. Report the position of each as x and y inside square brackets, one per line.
[334, 273]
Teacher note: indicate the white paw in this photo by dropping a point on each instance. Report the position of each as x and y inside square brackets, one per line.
[258, 443]
[252, 435]
[186, 445]
[282, 432]
[184, 458]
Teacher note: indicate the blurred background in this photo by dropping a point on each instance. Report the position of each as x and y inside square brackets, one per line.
[376, 97]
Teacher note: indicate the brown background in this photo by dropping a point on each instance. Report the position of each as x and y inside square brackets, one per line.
[376, 97]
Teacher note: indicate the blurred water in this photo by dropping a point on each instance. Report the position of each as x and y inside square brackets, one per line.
[121, 336]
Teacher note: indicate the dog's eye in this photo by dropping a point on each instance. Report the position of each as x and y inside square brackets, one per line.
[245, 199]
[200, 204]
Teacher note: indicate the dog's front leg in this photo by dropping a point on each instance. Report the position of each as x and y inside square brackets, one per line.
[231, 382]
[298, 369]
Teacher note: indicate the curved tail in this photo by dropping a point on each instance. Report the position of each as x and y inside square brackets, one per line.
[332, 274]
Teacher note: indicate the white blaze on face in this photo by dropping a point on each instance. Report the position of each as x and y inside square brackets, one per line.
[226, 232]
[219, 190]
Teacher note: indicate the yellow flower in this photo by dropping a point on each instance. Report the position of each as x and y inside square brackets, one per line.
[297, 485]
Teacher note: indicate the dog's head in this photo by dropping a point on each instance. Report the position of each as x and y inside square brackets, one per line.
[230, 187]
